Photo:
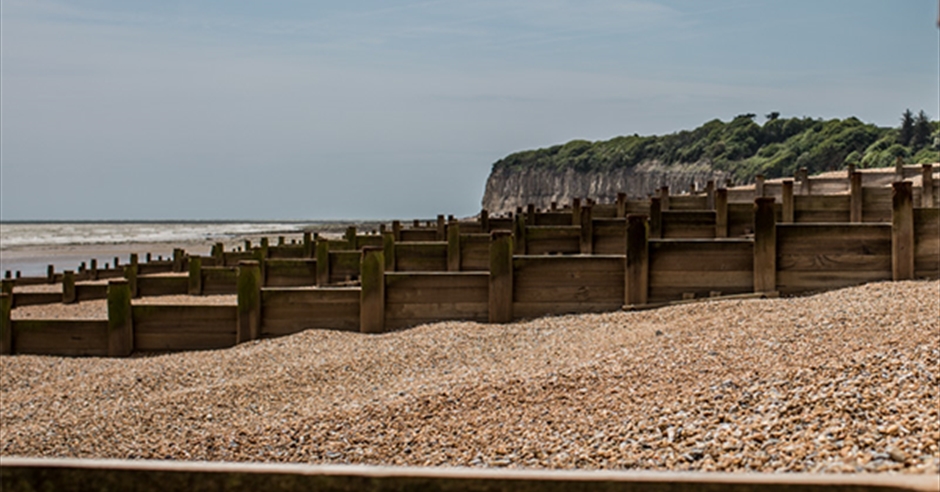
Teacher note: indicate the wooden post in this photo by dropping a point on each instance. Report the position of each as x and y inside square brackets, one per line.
[323, 263]
[576, 211]
[308, 245]
[721, 212]
[484, 220]
[149, 257]
[6, 323]
[6, 286]
[519, 242]
[248, 245]
[68, 287]
[415, 224]
[249, 301]
[855, 197]
[500, 295]
[587, 230]
[759, 185]
[94, 269]
[787, 190]
[130, 273]
[350, 237]
[765, 245]
[927, 180]
[621, 205]
[50, 273]
[372, 292]
[656, 217]
[849, 170]
[195, 276]
[664, 198]
[396, 230]
[554, 206]
[902, 231]
[637, 274]
[530, 214]
[453, 246]
[120, 319]
[710, 195]
[805, 185]
[117, 262]
[441, 228]
[899, 168]
[388, 249]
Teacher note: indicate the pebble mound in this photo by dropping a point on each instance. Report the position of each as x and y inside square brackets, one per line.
[845, 381]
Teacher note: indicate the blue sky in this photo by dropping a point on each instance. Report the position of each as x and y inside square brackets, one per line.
[327, 110]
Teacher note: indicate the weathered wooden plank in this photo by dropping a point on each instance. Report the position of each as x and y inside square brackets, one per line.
[688, 224]
[171, 327]
[441, 311]
[876, 204]
[604, 210]
[701, 255]
[715, 280]
[740, 219]
[553, 219]
[277, 297]
[833, 262]
[21, 299]
[688, 202]
[567, 265]
[542, 240]
[528, 310]
[610, 236]
[794, 282]
[219, 280]
[475, 252]
[151, 267]
[291, 272]
[344, 265]
[163, 285]
[832, 239]
[421, 257]
[89, 292]
[418, 235]
[60, 337]
[286, 251]
[926, 243]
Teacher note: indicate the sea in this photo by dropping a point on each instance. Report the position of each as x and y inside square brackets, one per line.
[28, 247]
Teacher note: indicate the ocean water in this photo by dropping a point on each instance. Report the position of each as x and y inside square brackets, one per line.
[29, 247]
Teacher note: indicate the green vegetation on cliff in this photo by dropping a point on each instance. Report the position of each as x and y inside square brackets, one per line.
[744, 148]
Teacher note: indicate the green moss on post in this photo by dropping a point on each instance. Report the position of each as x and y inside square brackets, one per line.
[453, 246]
[308, 245]
[120, 319]
[637, 265]
[323, 263]
[195, 276]
[765, 245]
[902, 231]
[372, 292]
[388, 249]
[68, 287]
[249, 301]
[500, 284]
[6, 323]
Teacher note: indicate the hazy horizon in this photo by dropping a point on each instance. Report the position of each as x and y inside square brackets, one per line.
[235, 111]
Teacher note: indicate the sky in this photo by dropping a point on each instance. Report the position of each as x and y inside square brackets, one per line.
[201, 110]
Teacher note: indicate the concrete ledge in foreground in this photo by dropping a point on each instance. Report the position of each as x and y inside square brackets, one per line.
[28, 474]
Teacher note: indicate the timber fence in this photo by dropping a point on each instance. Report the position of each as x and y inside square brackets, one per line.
[587, 257]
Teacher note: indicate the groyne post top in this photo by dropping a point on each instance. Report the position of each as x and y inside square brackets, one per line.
[855, 197]
[765, 245]
[68, 286]
[453, 246]
[485, 220]
[787, 192]
[6, 325]
[6, 286]
[372, 292]
[710, 194]
[621, 204]
[308, 244]
[636, 276]
[388, 247]
[120, 319]
[721, 212]
[587, 230]
[195, 276]
[656, 217]
[323, 262]
[902, 231]
[927, 180]
[576, 211]
[441, 229]
[249, 301]
[396, 229]
[530, 214]
[500, 283]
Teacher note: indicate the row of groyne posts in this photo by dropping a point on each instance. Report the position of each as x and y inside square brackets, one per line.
[585, 257]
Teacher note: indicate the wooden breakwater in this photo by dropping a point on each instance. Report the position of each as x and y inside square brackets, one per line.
[586, 257]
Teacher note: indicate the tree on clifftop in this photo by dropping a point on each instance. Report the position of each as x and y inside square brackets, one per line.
[920, 134]
[907, 128]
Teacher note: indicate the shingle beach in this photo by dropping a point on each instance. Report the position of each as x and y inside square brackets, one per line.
[844, 381]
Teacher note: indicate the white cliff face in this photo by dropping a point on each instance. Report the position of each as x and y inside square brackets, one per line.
[506, 190]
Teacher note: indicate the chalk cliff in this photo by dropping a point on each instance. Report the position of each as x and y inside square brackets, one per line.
[507, 189]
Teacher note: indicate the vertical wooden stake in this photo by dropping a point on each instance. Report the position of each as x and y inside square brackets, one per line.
[441, 229]
[177, 260]
[247, 245]
[927, 180]
[50, 273]
[485, 220]
[308, 245]
[68, 287]
[710, 194]
[388, 249]
[621, 205]
[805, 185]
[94, 268]
[530, 214]
[902, 231]
[721, 212]
[656, 217]
[519, 242]
[899, 168]
[787, 190]
[323, 263]
[765, 245]
[120, 319]
[453, 247]
[758, 185]
[6, 323]
[249, 301]
[855, 197]
[637, 274]
[130, 273]
[664, 198]
[396, 230]
[195, 276]
[849, 170]
[415, 224]
[7, 285]
[576, 211]
[500, 302]
[350, 237]
[553, 206]
[587, 230]
[372, 293]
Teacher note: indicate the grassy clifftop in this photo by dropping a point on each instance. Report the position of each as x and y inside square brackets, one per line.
[745, 148]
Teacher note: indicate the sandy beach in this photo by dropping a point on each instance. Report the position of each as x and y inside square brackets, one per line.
[845, 381]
